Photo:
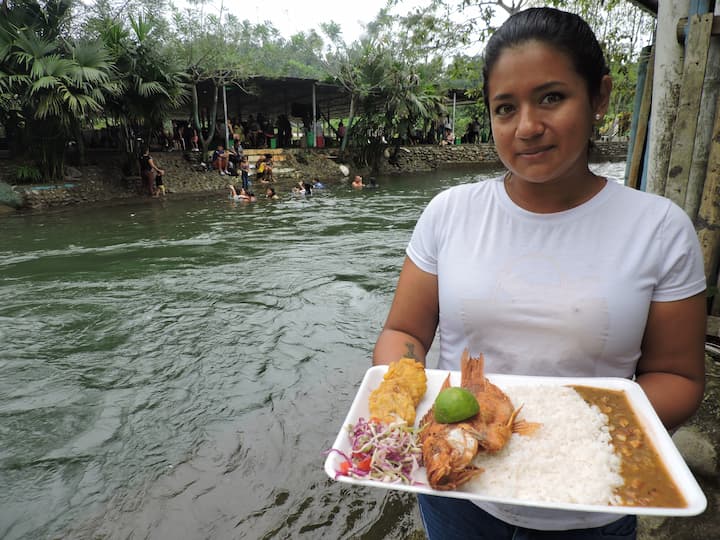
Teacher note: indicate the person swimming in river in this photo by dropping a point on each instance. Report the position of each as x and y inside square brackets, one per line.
[241, 195]
[300, 189]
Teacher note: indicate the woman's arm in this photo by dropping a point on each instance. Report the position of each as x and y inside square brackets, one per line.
[410, 326]
[671, 369]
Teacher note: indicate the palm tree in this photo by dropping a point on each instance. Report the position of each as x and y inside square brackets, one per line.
[150, 85]
[58, 83]
[385, 85]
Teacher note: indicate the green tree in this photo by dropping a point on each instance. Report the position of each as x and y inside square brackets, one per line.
[210, 48]
[58, 82]
[384, 83]
[448, 27]
[151, 85]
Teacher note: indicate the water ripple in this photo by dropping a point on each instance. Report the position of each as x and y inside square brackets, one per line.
[176, 370]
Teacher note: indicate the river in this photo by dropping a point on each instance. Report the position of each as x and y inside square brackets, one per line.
[176, 368]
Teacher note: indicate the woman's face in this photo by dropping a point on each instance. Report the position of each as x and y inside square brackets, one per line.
[541, 113]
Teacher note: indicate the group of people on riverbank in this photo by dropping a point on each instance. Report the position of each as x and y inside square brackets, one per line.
[153, 184]
[233, 162]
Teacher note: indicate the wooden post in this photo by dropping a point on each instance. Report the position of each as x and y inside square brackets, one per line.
[708, 220]
[681, 153]
[640, 134]
[666, 88]
[699, 170]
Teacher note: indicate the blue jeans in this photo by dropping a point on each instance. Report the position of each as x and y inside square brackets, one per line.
[445, 518]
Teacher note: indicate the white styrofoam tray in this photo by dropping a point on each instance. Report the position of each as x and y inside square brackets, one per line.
[655, 431]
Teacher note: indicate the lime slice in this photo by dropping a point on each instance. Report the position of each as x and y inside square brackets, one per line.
[455, 404]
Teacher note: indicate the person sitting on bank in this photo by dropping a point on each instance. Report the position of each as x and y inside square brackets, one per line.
[260, 169]
[357, 182]
[268, 176]
[220, 160]
[448, 138]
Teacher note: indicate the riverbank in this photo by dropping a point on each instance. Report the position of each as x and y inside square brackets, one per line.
[100, 180]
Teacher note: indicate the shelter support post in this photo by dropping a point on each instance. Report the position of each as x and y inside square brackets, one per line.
[681, 151]
[708, 220]
[641, 117]
[665, 91]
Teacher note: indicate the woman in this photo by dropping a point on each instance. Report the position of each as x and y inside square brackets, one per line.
[148, 171]
[551, 270]
[220, 160]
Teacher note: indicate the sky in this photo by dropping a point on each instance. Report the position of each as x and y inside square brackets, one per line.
[293, 16]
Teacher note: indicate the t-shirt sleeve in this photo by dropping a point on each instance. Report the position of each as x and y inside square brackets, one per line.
[682, 271]
[423, 247]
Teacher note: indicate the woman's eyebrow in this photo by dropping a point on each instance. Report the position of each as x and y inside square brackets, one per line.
[541, 88]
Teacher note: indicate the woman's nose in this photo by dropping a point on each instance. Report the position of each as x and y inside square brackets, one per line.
[529, 123]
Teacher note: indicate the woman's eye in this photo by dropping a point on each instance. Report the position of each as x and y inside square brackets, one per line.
[503, 109]
[553, 97]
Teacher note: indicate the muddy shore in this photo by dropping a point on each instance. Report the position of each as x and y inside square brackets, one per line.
[100, 179]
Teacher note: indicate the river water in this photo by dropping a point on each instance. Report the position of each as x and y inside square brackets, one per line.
[175, 368]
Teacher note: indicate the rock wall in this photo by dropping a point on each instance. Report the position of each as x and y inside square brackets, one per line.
[426, 158]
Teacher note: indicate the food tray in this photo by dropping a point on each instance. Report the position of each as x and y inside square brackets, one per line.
[654, 430]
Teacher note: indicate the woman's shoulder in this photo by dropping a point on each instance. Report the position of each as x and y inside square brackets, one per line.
[639, 198]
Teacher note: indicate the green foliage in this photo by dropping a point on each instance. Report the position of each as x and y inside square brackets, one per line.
[55, 82]
[65, 64]
[27, 174]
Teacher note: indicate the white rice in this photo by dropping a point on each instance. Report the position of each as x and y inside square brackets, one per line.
[570, 459]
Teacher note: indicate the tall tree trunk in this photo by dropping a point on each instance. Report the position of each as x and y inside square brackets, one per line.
[195, 108]
[205, 141]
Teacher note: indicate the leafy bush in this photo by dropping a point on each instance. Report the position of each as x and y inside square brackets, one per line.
[27, 174]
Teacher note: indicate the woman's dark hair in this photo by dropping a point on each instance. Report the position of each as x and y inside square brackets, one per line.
[566, 32]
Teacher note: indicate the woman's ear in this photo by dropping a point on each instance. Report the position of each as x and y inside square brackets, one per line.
[602, 101]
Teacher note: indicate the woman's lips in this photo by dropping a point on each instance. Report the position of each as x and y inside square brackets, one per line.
[534, 151]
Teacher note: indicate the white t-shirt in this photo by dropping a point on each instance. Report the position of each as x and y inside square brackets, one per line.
[562, 294]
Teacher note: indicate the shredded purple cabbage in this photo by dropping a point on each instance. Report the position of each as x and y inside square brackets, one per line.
[392, 449]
